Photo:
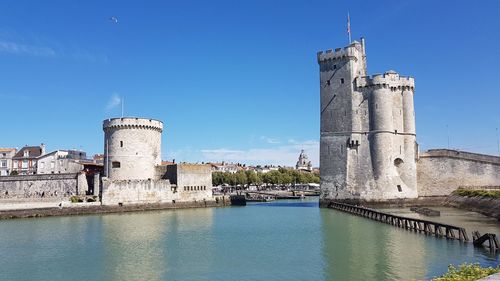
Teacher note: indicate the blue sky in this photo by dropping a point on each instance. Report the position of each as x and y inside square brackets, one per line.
[237, 80]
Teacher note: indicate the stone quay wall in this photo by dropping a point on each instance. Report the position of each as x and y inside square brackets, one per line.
[43, 186]
[441, 171]
[115, 192]
[126, 192]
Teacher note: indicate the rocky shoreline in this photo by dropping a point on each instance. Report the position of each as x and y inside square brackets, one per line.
[484, 205]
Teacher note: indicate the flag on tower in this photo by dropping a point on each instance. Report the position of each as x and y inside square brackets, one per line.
[349, 27]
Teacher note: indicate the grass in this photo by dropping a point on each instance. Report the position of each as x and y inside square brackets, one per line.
[467, 272]
[477, 193]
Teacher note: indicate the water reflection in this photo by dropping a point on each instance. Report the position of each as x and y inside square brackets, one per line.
[283, 240]
[361, 249]
[146, 246]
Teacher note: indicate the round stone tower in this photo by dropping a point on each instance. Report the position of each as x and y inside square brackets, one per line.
[132, 148]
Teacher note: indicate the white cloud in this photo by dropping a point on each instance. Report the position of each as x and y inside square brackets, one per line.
[114, 101]
[281, 155]
[19, 49]
[270, 140]
[60, 51]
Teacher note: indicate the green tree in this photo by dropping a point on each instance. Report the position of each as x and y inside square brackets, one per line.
[252, 177]
[241, 178]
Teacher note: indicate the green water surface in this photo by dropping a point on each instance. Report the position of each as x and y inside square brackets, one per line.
[282, 240]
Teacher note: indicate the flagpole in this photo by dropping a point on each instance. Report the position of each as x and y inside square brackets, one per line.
[498, 142]
[349, 27]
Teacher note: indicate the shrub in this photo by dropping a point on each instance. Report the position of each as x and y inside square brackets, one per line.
[74, 199]
[477, 193]
[467, 272]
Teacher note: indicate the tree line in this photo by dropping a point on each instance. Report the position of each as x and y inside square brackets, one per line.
[276, 177]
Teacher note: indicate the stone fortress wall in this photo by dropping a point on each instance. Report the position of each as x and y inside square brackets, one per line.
[132, 172]
[132, 160]
[174, 184]
[43, 186]
[441, 171]
[368, 141]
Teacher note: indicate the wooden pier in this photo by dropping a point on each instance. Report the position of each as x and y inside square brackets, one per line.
[418, 225]
[479, 240]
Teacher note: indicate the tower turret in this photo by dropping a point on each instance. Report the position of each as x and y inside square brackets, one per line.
[132, 148]
[367, 143]
[338, 70]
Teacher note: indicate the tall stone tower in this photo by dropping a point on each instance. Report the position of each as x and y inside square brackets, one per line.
[368, 142]
[132, 148]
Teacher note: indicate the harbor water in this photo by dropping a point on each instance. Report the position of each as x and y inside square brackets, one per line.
[280, 240]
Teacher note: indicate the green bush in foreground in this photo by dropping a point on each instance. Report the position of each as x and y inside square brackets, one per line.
[477, 193]
[467, 272]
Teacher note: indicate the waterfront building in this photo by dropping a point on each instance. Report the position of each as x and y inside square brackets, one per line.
[303, 164]
[61, 161]
[25, 160]
[226, 167]
[98, 158]
[6, 155]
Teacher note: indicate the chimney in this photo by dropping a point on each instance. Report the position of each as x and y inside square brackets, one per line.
[42, 149]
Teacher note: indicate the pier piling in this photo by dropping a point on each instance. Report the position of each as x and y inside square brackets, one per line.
[436, 229]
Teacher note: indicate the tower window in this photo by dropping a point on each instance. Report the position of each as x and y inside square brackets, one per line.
[341, 80]
[399, 188]
[328, 82]
[121, 143]
[115, 164]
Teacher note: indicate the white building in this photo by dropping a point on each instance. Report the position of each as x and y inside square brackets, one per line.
[303, 164]
[60, 162]
[226, 167]
[6, 155]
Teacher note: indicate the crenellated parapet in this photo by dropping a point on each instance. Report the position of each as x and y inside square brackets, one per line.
[389, 79]
[353, 51]
[133, 123]
[368, 144]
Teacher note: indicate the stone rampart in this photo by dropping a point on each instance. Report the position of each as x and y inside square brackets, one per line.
[450, 153]
[390, 80]
[137, 191]
[43, 186]
[441, 171]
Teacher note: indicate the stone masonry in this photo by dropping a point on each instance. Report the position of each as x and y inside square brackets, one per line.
[368, 144]
[43, 186]
[132, 165]
[441, 171]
